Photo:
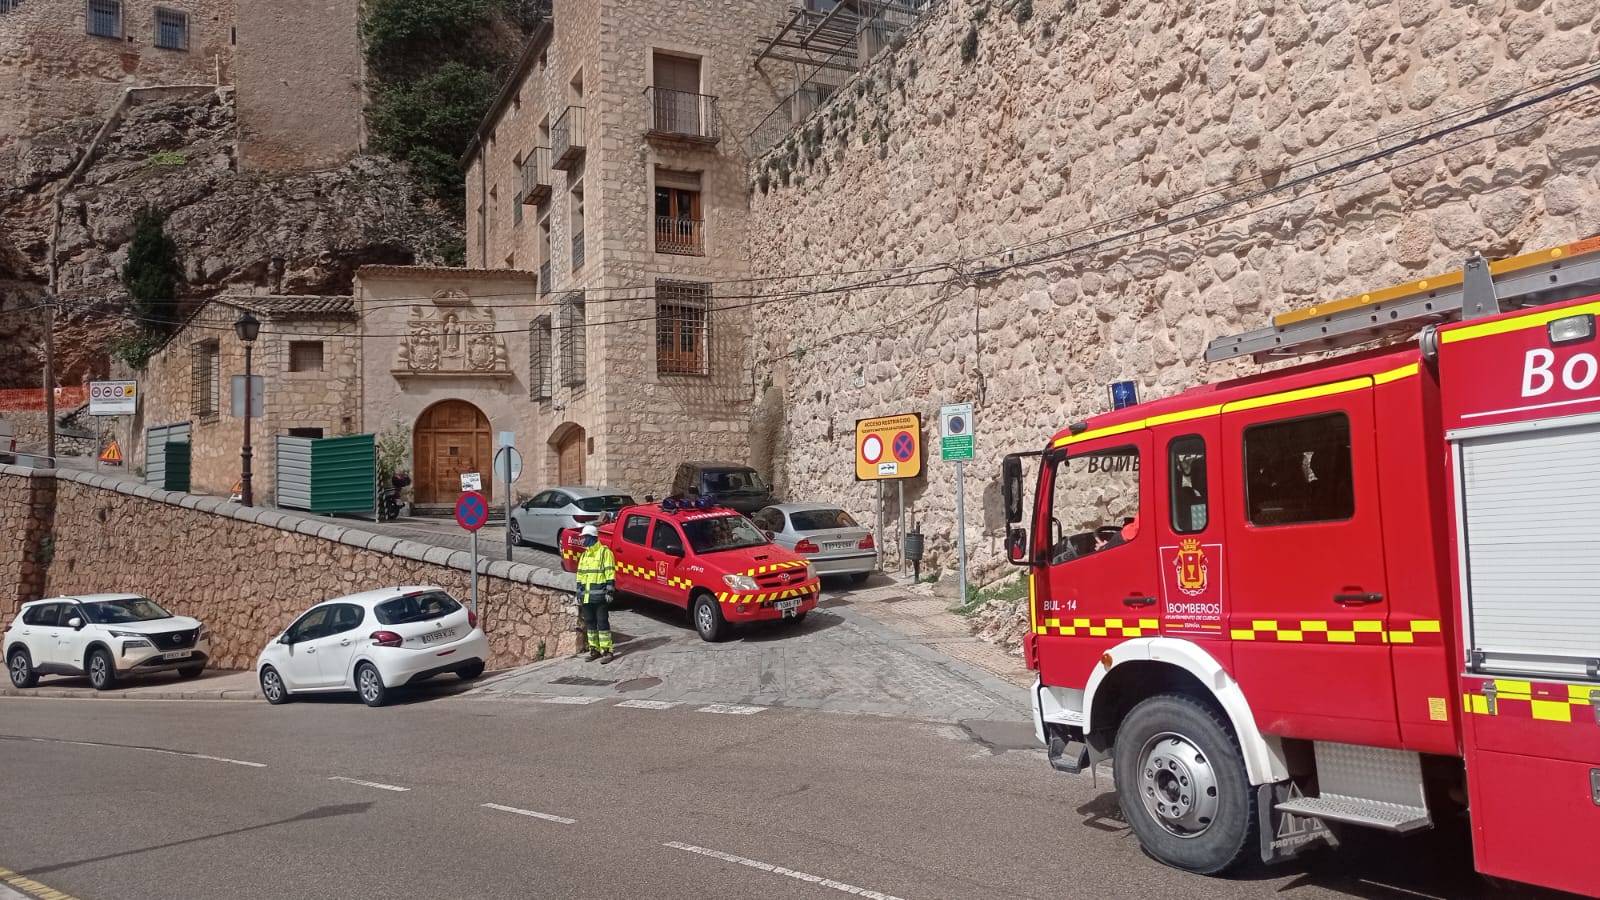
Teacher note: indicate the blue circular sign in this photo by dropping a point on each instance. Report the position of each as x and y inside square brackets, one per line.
[958, 425]
[472, 510]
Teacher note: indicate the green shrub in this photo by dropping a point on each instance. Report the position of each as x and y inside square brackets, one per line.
[168, 158]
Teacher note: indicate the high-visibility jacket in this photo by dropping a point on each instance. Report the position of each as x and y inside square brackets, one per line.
[597, 573]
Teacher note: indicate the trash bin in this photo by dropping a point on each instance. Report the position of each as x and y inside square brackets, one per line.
[912, 551]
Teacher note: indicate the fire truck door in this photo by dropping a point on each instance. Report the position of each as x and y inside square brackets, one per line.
[1308, 604]
[633, 536]
[1103, 584]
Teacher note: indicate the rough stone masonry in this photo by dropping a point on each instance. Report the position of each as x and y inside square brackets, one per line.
[1088, 120]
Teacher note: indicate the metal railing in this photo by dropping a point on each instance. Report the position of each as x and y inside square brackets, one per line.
[683, 114]
[577, 251]
[567, 137]
[536, 177]
[684, 237]
[544, 277]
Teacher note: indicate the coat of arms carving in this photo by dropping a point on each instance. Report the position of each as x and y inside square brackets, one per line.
[451, 337]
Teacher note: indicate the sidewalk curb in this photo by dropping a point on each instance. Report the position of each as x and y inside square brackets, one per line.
[47, 693]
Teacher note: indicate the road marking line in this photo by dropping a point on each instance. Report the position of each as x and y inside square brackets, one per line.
[780, 870]
[531, 814]
[29, 887]
[571, 701]
[648, 704]
[180, 753]
[370, 784]
[732, 709]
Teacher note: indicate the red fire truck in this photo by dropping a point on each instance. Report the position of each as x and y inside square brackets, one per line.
[1363, 591]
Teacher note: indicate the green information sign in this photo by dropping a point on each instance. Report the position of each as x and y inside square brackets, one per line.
[955, 432]
[955, 447]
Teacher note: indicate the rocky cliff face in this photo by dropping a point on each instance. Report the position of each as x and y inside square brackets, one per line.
[179, 154]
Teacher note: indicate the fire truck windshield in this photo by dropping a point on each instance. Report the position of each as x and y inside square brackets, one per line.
[1094, 505]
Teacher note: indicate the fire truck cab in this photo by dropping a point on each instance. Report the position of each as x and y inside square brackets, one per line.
[1364, 590]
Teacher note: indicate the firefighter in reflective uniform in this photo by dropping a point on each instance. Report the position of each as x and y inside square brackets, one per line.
[597, 576]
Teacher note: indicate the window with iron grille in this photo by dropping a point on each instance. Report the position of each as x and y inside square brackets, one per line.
[105, 18]
[305, 356]
[572, 329]
[516, 210]
[539, 352]
[9, 6]
[206, 381]
[683, 327]
[172, 29]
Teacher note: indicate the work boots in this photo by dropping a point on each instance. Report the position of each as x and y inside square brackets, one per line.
[593, 654]
[607, 657]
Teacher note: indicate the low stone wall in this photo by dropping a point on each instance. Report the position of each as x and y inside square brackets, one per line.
[246, 573]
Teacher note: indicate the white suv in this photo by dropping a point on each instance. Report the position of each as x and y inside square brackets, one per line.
[104, 636]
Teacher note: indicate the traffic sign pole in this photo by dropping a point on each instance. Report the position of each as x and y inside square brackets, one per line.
[472, 510]
[961, 530]
[474, 572]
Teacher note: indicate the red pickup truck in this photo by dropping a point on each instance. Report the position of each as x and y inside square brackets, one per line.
[711, 561]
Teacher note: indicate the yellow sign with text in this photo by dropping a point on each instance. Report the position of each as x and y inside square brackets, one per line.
[889, 447]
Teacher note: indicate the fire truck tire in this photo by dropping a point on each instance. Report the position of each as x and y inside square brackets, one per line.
[1182, 784]
[707, 615]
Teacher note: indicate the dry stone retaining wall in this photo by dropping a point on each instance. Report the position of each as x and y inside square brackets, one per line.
[1088, 120]
[245, 572]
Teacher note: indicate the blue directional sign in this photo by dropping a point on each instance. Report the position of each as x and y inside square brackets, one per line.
[472, 510]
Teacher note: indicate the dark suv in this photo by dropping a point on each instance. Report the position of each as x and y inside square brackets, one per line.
[733, 485]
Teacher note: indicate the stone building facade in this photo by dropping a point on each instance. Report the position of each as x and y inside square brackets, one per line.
[297, 66]
[1188, 170]
[309, 356]
[66, 59]
[614, 164]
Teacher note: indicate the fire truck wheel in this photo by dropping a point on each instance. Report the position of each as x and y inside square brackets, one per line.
[1182, 784]
[708, 619]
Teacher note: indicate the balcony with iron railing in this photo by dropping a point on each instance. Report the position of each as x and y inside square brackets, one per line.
[536, 177]
[682, 117]
[682, 237]
[577, 251]
[567, 138]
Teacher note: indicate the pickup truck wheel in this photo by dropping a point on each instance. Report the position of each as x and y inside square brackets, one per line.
[708, 619]
[1182, 784]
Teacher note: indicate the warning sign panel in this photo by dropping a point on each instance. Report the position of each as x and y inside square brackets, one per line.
[889, 447]
[112, 454]
[113, 398]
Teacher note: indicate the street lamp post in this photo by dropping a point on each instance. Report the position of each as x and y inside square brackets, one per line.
[248, 328]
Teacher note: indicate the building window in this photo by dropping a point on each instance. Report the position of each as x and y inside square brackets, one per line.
[516, 209]
[206, 381]
[1299, 470]
[305, 356]
[546, 273]
[313, 433]
[105, 18]
[9, 6]
[572, 337]
[577, 227]
[680, 229]
[539, 351]
[683, 327]
[172, 29]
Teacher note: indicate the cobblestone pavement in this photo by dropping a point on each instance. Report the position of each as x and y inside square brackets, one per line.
[838, 660]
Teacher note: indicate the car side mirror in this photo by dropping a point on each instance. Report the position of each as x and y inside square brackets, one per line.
[75, 623]
[673, 550]
[1017, 546]
[284, 639]
[767, 533]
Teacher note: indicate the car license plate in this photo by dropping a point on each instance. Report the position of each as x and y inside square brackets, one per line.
[788, 605]
[838, 545]
[178, 654]
[435, 637]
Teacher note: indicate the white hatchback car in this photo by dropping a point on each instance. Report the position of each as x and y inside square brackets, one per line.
[373, 642]
[104, 636]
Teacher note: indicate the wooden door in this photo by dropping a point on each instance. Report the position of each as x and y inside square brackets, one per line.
[569, 458]
[451, 438]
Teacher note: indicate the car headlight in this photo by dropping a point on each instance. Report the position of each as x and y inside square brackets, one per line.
[136, 642]
[200, 633]
[125, 634]
[740, 582]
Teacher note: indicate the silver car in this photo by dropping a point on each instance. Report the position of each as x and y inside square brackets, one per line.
[541, 518]
[826, 535]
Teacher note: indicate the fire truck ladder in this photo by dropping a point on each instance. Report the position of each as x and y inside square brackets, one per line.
[1479, 289]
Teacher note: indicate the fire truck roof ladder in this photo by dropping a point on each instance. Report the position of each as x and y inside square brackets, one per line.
[1479, 289]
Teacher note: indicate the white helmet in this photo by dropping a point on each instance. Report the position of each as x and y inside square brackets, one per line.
[590, 531]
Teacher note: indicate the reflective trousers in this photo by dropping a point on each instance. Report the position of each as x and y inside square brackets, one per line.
[597, 625]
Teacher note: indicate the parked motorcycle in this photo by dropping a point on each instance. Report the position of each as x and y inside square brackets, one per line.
[389, 497]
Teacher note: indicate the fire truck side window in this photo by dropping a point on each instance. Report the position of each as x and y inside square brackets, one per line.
[1095, 503]
[1298, 471]
[1187, 484]
[636, 529]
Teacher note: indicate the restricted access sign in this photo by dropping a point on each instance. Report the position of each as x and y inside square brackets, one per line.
[955, 431]
[889, 447]
[113, 398]
[472, 511]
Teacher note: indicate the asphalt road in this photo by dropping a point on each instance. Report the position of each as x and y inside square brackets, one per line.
[148, 799]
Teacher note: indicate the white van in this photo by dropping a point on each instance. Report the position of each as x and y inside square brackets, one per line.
[8, 442]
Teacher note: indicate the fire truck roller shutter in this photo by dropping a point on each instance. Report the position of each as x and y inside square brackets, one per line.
[1263, 754]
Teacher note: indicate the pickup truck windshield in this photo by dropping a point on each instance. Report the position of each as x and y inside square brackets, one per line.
[735, 481]
[722, 533]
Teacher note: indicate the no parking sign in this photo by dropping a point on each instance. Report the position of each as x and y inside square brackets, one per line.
[889, 447]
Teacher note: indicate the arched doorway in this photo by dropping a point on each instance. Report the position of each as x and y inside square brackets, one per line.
[451, 437]
[570, 446]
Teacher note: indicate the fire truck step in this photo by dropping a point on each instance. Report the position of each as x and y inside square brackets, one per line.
[1068, 756]
[1358, 811]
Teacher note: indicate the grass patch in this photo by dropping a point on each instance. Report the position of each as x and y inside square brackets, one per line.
[1008, 591]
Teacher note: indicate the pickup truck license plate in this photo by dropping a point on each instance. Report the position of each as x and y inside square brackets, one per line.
[436, 636]
[178, 654]
[788, 606]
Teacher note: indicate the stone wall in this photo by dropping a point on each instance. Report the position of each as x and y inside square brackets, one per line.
[300, 85]
[52, 70]
[1079, 132]
[246, 573]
